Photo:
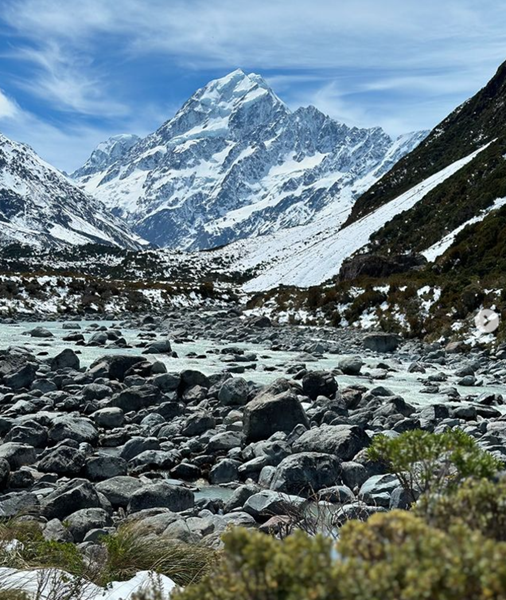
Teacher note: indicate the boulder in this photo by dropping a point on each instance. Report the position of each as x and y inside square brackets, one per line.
[40, 332]
[267, 414]
[305, 473]
[69, 427]
[30, 433]
[381, 342]
[319, 383]
[82, 521]
[198, 423]
[377, 490]
[234, 392]
[137, 397]
[343, 441]
[66, 359]
[351, 365]
[137, 445]
[17, 455]
[161, 495]
[22, 378]
[113, 367]
[118, 490]
[268, 503]
[62, 460]
[109, 417]
[70, 497]
[105, 466]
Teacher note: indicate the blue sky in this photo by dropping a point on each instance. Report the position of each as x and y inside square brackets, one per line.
[74, 72]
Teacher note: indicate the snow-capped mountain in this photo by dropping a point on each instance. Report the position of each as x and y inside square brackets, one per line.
[106, 154]
[236, 162]
[39, 205]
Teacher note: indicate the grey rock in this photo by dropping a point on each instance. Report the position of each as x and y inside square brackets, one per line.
[68, 498]
[102, 467]
[343, 441]
[163, 495]
[62, 460]
[267, 414]
[234, 392]
[55, 531]
[73, 428]
[136, 445]
[82, 521]
[381, 342]
[66, 359]
[118, 490]
[319, 383]
[18, 455]
[109, 417]
[305, 473]
[351, 365]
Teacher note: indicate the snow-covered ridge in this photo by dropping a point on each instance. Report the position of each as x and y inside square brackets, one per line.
[39, 205]
[235, 162]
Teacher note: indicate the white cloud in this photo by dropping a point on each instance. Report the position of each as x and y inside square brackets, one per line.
[8, 108]
[337, 55]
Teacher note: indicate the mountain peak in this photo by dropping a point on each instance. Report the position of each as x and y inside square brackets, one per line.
[234, 86]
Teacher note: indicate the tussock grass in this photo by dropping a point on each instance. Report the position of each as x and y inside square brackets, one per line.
[130, 550]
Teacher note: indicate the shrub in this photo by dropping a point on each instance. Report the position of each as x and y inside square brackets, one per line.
[259, 567]
[392, 556]
[479, 504]
[427, 462]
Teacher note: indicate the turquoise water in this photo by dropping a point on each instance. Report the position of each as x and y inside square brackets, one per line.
[403, 383]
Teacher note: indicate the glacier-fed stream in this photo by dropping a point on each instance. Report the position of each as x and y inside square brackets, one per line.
[207, 356]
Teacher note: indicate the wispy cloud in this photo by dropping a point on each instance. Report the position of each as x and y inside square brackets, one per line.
[398, 63]
[8, 107]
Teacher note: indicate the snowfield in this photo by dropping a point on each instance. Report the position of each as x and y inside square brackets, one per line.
[309, 255]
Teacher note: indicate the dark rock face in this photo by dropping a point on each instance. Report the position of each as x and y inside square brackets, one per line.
[319, 383]
[268, 414]
[70, 497]
[306, 473]
[374, 265]
[381, 342]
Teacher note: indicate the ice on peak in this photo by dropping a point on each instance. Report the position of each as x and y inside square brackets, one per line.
[235, 84]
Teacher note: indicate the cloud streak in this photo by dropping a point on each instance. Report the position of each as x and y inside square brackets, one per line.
[400, 64]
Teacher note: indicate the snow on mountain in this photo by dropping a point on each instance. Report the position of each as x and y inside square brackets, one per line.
[236, 162]
[311, 254]
[39, 205]
[105, 154]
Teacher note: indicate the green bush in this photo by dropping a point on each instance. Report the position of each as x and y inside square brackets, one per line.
[479, 504]
[433, 462]
[393, 556]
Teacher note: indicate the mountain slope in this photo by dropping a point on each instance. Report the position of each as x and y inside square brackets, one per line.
[40, 206]
[312, 254]
[235, 162]
[481, 120]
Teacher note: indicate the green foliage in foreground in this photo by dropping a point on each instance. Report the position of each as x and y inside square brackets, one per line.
[479, 504]
[393, 556]
[433, 462]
